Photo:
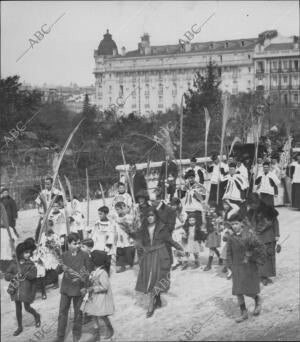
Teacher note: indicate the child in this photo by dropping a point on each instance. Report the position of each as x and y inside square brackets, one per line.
[87, 246]
[41, 270]
[104, 232]
[22, 286]
[50, 251]
[226, 235]
[178, 234]
[192, 240]
[245, 276]
[76, 267]
[122, 196]
[100, 302]
[213, 239]
[125, 244]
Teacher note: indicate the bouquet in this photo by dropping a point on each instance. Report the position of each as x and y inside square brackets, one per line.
[254, 250]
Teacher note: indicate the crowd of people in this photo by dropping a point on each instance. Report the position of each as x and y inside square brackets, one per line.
[234, 218]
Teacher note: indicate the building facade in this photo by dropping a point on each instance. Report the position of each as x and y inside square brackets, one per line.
[276, 67]
[153, 79]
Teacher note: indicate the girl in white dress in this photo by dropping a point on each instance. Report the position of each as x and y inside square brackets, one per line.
[98, 300]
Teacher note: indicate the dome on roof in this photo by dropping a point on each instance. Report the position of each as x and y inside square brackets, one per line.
[107, 45]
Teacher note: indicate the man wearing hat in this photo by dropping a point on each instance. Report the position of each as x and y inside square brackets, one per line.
[11, 209]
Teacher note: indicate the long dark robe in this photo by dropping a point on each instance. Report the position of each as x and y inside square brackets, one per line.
[155, 262]
[264, 221]
[245, 276]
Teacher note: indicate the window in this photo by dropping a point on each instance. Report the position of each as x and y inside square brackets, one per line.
[296, 65]
[285, 79]
[242, 43]
[295, 98]
[221, 57]
[110, 100]
[133, 105]
[285, 65]
[249, 56]
[249, 69]
[109, 75]
[160, 98]
[121, 91]
[260, 67]
[285, 99]
[160, 89]
[226, 44]
[110, 89]
[274, 65]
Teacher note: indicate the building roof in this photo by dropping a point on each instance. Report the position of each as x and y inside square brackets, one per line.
[107, 45]
[280, 46]
[205, 47]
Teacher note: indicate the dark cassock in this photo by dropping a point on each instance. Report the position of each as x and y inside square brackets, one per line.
[294, 172]
[10, 207]
[172, 174]
[139, 183]
[265, 222]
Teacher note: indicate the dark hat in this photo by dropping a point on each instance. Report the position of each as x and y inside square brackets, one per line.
[99, 258]
[266, 163]
[190, 173]
[175, 201]
[232, 165]
[151, 210]
[214, 157]
[104, 209]
[4, 189]
[142, 193]
[29, 244]
[193, 160]
[20, 249]
[58, 199]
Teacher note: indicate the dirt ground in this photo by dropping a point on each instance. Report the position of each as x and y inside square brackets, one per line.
[199, 305]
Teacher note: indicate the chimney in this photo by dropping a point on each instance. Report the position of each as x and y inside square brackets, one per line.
[123, 51]
[187, 47]
[144, 45]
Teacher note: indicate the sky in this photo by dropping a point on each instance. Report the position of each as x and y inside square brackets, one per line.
[65, 53]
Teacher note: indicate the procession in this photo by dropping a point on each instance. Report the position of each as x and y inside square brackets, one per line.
[234, 220]
[149, 171]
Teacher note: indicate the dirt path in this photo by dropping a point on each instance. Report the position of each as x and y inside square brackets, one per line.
[199, 305]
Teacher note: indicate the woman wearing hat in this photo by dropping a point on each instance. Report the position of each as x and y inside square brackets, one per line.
[143, 206]
[22, 276]
[265, 223]
[155, 240]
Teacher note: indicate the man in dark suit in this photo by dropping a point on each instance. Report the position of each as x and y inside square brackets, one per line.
[171, 176]
[11, 209]
[138, 180]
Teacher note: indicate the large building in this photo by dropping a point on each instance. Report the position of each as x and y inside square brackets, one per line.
[153, 79]
[277, 66]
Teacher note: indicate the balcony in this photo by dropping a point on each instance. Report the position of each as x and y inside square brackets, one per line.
[260, 71]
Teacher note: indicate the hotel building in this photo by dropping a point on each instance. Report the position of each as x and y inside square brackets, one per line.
[153, 79]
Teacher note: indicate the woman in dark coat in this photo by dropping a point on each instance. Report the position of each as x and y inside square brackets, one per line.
[11, 209]
[25, 278]
[244, 253]
[265, 223]
[155, 264]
